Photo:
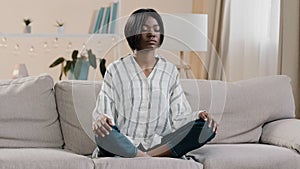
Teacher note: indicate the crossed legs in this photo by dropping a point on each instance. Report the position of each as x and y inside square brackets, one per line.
[191, 136]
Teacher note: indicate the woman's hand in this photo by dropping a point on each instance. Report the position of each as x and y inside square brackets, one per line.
[102, 126]
[207, 117]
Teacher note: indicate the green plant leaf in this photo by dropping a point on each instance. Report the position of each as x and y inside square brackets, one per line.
[92, 59]
[61, 71]
[57, 62]
[67, 67]
[59, 24]
[74, 55]
[27, 21]
[102, 67]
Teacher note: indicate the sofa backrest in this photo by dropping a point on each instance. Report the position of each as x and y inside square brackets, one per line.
[240, 107]
[76, 101]
[28, 115]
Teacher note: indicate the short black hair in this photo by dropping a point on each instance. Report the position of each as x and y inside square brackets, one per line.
[134, 25]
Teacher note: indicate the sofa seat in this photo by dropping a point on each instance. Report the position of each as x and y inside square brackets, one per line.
[145, 163]
[246, 156]
[42, 158]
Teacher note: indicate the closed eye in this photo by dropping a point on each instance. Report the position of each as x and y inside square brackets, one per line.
[147, 28]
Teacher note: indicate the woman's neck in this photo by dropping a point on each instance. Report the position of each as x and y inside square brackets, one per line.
[146, 58]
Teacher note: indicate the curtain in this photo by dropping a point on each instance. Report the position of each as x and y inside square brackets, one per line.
[254, 39]
[219, 33]
[212, 62]
[289, 52]
[298, 69]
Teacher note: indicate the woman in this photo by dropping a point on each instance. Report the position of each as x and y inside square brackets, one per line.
[141, 109]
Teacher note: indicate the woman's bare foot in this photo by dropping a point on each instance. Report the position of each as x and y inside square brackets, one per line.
[142, 154]
[161, 151]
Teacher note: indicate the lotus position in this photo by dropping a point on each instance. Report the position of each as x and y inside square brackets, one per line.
[141, 110]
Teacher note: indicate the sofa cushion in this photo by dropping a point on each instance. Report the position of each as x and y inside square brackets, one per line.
[246, 156]
[76, 101]
[38, 158]
[28, 115]
[145, 163]
[242, 107]
[283, 133]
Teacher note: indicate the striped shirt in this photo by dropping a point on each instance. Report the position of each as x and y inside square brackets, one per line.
[143, 108]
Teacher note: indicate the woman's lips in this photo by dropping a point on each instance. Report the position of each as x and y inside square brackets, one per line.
[152, 42]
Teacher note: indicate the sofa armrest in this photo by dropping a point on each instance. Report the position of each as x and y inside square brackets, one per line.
[284, 133]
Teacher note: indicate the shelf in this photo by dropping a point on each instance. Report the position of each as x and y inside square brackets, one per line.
[33, 35]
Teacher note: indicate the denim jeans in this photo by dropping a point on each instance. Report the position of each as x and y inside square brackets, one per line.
[189, 137]
[115, 144]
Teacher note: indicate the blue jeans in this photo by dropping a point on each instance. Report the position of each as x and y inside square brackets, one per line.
[115, 144]
[189, 137]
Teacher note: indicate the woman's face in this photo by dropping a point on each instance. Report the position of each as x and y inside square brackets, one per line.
[150, 38]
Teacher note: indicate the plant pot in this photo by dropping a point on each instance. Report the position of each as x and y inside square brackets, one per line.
[80, 71]
[60, 30]
[27, 29]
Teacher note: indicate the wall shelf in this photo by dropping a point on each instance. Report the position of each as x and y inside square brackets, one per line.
[37, 51]
[34, 35]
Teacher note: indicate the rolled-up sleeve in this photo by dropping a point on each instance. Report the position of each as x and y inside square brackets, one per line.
[105, 102]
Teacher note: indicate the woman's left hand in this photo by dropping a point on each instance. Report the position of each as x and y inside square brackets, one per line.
[207, 117]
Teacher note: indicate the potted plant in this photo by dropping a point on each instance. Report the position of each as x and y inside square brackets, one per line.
[76, 68]
[27, 22]
[60, 27]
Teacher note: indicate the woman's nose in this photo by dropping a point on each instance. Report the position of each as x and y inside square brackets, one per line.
[151, 33]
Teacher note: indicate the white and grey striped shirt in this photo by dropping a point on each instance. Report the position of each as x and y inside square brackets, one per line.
[143, 108]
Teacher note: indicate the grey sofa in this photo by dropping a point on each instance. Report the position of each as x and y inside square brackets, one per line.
[47, 125]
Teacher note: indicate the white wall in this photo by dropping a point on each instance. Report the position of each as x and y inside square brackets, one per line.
[76, 14]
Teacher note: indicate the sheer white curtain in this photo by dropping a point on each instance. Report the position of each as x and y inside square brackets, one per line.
[254, 39]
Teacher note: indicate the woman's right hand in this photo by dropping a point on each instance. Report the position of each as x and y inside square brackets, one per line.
[102, 126]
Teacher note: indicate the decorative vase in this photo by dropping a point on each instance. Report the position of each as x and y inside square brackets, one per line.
[27, 29]
[60, 30]
[81, 69]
